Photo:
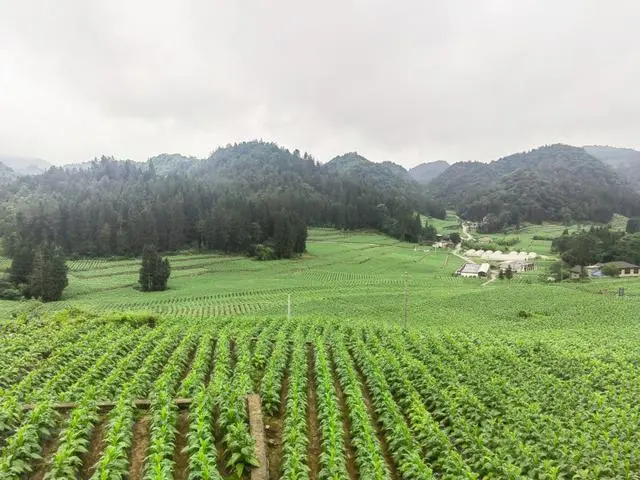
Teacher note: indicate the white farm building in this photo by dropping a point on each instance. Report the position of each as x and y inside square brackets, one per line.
[473, 270]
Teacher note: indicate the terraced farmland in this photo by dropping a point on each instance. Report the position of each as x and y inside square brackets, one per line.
[340, 399]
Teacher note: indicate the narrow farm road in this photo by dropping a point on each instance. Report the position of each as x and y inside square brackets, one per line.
[491, 280]
[466, 259]
[465, 232]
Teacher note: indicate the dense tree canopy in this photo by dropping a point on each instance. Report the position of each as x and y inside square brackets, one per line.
[242, 196]
[554, 183]
[598, 244]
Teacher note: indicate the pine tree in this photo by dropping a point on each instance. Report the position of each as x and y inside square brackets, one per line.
[48, 277]
[283, 237]
[154, 271]
[21, 266]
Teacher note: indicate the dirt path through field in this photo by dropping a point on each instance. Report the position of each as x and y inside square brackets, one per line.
[139, 445]
[274, 427]
[181, 458]
[49, 449]
[96, 446]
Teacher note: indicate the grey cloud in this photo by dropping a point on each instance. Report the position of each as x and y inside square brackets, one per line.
[407, 81]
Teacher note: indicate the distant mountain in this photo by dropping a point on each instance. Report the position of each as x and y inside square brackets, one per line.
[425, 172]
[625, 161]
[25, 165]
[555, 183]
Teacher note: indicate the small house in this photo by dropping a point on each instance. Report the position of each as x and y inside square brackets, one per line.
[626, 269]
[595, 271]
[473, 270]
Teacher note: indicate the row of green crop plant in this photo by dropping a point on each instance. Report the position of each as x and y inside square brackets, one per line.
[26, 443]
[404, 447]
[114, 461]
[418, 404]
[294, 438]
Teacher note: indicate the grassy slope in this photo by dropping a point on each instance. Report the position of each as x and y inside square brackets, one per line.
[449, 225]
[343, 275]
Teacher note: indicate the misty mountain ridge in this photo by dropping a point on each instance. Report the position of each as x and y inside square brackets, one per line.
[625, 161]
[25, 165]
[425, 172]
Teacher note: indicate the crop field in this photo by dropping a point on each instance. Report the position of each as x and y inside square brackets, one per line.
[343, 275]
[549, 397]
[339, 275]
[449, 225]
[510, 380]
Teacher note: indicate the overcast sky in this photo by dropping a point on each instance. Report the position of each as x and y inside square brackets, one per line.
[401, 80]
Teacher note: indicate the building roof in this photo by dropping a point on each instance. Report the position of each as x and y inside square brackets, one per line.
[515, 263]
[577, 269]
[484, 268]
[469, 268]
[622, 265]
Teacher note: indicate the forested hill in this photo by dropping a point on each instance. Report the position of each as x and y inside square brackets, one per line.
[425, 172]
[385, 176]
[556, 183]
[243, 195]
[625, 161]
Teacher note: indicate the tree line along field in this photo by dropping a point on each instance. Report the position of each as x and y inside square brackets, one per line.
[341, 399]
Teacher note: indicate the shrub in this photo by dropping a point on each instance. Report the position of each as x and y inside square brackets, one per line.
[610, 270]
[135, 319]
[546, 238]
[263, 252]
